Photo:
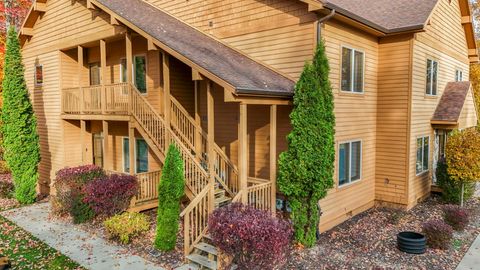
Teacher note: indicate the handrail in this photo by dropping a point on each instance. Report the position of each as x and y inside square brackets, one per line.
[260, 196]
[195, 201]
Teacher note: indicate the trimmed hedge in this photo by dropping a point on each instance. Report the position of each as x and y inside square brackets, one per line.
[253, 238]
[126, 226]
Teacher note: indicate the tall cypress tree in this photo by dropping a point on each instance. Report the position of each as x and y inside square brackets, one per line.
[306, 168]
[170, 191]
[19, 125]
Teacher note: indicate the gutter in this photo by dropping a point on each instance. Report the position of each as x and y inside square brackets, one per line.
[322, 21]
[262, 92]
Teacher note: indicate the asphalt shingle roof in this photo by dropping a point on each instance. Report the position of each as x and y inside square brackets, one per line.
[451, 104]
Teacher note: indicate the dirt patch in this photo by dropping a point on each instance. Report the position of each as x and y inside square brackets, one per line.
[368, 241]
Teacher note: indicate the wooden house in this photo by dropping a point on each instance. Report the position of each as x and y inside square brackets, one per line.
[115, 82]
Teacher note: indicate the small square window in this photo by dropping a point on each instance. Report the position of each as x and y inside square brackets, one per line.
[38, 75]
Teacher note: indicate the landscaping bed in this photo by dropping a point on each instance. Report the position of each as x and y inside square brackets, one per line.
[368, 241]
[29, 253]
[6, 202]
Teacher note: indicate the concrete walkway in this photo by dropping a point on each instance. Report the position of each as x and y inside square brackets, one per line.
[89, 251]
[471, 260]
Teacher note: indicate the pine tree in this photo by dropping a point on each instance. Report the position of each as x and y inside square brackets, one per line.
[19, 125]
[170, 191]
[306, 168]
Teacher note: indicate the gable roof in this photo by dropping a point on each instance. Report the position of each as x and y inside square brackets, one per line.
[386, 16]
[451, 104]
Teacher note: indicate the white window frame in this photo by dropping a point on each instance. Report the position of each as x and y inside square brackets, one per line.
[431, 79]
[350, 182]
[459, 75]
[423, 152]
[146, 71]
[352, 68]
[35, 75]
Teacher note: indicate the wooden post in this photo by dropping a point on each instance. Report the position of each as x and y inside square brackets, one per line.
[131, 147]
[106, 148]
[198, 123]
[211, 141]
[166, 94]
[83, 132]
[129, 60]
[273, 156]
[80, 76]
[103, 73]
[242, 152]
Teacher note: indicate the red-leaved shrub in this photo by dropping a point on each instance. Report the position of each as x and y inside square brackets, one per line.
[455, 216]
[110, 195]
[439, 234]
[68, 186]
[253, 238]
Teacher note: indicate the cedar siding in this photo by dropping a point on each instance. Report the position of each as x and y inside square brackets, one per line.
[279, 36]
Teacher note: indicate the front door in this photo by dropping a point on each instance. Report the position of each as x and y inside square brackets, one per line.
[98, 149]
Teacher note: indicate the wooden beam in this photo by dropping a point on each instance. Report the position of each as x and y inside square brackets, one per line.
[196, 76]
[129, 57]
[466, 19]
[113, 20]
[242, 151]
[106, 147]
[27, 31]
[210, 144]
[472, 52]
[151, 45]
[253, 100]
[273, 156]
[83, 132]
[166, 89]
[80, 54]
[131, 147]
[198, 121]
[40, 7]
[103, 72]
[90, 5]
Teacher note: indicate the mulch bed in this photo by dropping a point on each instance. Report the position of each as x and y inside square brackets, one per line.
[368, 241]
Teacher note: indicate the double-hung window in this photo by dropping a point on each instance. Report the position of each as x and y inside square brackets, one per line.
[352, 70]
[432, 77]
[423, 154]
[349, 162]
[458, 75]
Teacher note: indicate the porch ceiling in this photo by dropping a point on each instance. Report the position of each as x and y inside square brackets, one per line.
[241, 73]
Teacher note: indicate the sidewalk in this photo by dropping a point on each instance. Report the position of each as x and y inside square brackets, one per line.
[471, 260]
[89, 251]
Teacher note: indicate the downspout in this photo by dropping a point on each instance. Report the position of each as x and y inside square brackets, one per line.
[322, 21]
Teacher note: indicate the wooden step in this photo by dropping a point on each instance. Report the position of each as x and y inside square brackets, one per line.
[222, 200]
[219, 193]
[207, 248]
[202, 261]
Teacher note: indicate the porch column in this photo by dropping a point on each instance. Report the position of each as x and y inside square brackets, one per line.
[273, 155]
[242, 151]
[129, 56]
[106, 148]
[83, 132]
[211, 142]
[166, 94]
[131, 147]
[103, 73]
[198, 122]
[80, 75]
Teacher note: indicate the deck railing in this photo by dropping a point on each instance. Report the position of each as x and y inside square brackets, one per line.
[260, 196]
[147, 186]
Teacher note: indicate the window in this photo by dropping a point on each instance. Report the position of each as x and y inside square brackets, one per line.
[423, 153]
[123, 70]
[458, 75]
[352, 70]
[432, 73]
[140, 73]
[94, 74]
[38, 75]
[141, 156]
[350, 162]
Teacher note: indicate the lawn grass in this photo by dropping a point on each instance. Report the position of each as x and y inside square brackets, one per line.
[27, 252]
